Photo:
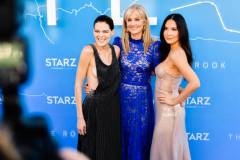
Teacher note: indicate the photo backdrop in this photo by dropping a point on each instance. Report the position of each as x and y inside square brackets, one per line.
[56, 36]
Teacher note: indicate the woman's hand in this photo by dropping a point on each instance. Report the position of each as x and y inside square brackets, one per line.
[166, 98]
[87, 89]
[81, 126]
[180, 89]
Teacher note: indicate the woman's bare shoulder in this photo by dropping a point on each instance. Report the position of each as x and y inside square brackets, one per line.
[117, 50]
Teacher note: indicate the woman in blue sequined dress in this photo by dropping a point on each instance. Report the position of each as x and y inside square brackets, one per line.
[138, 57]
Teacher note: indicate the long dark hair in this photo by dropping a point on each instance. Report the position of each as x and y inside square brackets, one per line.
[183, 37]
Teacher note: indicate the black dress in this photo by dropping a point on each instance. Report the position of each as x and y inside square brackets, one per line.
[101, 111]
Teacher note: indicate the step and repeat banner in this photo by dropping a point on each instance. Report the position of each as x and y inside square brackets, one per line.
[57, 30]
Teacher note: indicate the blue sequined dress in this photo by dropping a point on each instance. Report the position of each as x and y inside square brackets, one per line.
[137, 112]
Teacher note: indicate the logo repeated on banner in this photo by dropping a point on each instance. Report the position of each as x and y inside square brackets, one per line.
[71, 133]
[61, 100]
[61, 63]
[234, 137]
[206, 65]
[199, 136]
[196, 136]
[199, 101]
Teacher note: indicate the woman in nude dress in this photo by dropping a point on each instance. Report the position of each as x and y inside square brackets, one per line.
[170, 139]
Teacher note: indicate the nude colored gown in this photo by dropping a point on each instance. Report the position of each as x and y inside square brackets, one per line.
[169, 139]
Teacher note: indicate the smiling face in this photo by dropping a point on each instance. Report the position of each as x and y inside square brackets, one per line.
[171, 34]
[135, 24]
[102, 33]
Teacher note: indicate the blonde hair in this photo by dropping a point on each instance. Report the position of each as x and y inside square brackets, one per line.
[146, 28]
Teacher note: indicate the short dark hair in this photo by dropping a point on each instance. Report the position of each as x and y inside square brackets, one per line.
[106, 19]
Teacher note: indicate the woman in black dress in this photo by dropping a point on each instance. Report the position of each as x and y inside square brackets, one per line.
[98, 117]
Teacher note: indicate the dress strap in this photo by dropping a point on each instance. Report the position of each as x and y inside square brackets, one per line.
[95, 52]
[114, 56]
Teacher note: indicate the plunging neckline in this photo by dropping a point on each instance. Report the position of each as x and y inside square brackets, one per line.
[108, 65]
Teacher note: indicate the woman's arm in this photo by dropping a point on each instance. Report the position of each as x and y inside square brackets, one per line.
[155, 56]
[80, 76]
[117, 51]
[179, 60]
